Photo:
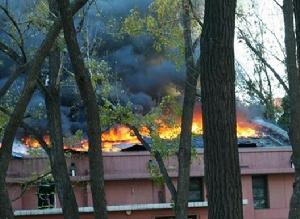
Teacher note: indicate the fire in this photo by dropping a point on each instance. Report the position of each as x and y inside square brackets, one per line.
[167, 132]
[32, 142]
[197, 120]
[120, 134]
[244, 127]
[116, 135]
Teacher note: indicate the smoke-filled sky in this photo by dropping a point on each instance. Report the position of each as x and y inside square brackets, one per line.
[142, 75]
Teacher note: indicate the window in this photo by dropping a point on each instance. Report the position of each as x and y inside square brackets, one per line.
[260, 192]
[172, 217]
[161, 196]
[196, 190]
[72, 169]
[46, 195]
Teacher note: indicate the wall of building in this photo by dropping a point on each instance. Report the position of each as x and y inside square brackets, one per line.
[144, 191]
[280, 190]
[150, 214]
[128, 182]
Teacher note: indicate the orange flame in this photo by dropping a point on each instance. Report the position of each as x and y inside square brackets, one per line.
[33, 143]
[116, 135]
[244, 127]
[120, 134]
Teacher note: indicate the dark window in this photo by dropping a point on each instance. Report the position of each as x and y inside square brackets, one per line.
[46, 195]
[161, 196]
[73, 169]
[260, 192]
[172, 217]
[196, 190]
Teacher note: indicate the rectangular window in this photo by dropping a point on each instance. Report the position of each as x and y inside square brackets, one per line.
[260, 192]
[196, 190]
[46, 195]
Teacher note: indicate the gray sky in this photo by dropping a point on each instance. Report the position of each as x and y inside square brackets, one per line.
[271, 15]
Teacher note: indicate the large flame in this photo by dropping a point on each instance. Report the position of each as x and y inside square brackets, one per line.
[33, 143]
[244, 127]
[120, 134]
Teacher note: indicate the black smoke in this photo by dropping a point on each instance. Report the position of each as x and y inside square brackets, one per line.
[142, 74]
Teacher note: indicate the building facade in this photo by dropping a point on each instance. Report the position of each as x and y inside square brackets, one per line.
[267, 178]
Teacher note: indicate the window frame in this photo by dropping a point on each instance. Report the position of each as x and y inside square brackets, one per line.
[200, 180]
[50, 195]
[265, 188]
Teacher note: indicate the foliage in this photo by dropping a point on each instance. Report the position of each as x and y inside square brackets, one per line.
[3, 120]
[134, 24]
[74, 139]
[154, 172]
[164, 116]
[162, 23]
[10, 98]
[35, 152]
[39, 17]
[115, 114]
[284, 119]
[7, 102]
[99, 71]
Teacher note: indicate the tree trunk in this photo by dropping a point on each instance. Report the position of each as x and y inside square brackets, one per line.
[159, 160]
[17, 115]
[184, 155]
[56, 151]
[221, 158]
[294, 95]
[88, 96]
[14, 121]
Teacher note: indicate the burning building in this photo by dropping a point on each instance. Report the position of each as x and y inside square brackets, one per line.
[250, 132]
[264, 152]
[147, 75]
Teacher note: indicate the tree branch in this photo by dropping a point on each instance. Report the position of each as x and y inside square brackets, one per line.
[20, 108]
[11, 79]
[251, 85]
[195, 14]
[28, 183]
[44, 89]
[21, 43]
[159, 161]
[277, 3]
[32, 131]
[264, 61]
[11, 53]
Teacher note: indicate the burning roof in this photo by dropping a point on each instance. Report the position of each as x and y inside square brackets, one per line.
[251, 133]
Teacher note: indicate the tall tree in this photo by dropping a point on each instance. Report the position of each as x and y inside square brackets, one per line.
[222, 170]
[184, 153]
[294, 94]
[88, 96]
[134, 24]
[56, 151]
[19, 110]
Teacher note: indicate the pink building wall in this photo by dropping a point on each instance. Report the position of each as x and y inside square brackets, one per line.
[127, 182]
